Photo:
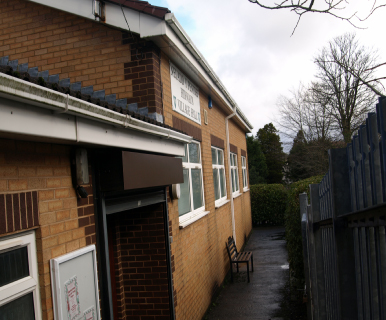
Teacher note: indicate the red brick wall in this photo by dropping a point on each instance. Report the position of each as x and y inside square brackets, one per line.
[140, 263]
[82, 50]
[41, 174]
[18, 211]
[200, 260]
[144, 71]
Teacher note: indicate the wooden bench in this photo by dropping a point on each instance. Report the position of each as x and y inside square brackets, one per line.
[238, 257]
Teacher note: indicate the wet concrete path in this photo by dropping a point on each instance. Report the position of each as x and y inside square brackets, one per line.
[259, 299]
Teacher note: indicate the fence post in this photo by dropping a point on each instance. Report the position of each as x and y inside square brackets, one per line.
[316, 264]
[341, 204]
[303, 199]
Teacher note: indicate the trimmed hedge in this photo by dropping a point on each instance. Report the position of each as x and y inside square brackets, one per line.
[293, 232]
[268, 203]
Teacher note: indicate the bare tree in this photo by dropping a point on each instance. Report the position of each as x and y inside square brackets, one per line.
[348, 97]
[306, 110]
[335, 8]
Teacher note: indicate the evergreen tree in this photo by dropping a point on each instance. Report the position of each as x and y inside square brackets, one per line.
[256, 162]
[273, 152]
[297, 159]
[309, 158]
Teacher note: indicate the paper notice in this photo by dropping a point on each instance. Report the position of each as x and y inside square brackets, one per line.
[72, 298]
[89, 314]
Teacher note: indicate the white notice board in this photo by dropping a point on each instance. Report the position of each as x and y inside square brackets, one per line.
[185, 95]
[74, 285]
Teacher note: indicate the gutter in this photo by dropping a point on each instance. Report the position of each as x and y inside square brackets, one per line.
[230, 174]
[182, 35]
[15, 89]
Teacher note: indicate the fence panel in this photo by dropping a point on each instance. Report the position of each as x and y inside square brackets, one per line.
[344, 229]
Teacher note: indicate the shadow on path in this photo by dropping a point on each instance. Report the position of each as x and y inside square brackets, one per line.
[267, 293]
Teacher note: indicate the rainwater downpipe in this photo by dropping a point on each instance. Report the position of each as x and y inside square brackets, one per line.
[230, 172]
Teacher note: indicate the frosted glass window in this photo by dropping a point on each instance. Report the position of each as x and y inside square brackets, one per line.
[194, 153]
[192, 193]
[235, 174]
[184, 200]
[19, 280]
[218, 175]
[13, 265]
[20, 309]
[197, 188]
[244, 169]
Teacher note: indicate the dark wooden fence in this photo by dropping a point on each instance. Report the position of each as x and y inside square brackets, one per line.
[343, 229]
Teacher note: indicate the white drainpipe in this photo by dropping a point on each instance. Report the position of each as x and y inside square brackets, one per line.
[230, 173]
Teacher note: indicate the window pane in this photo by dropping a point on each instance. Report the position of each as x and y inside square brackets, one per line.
[231, 159]
[184, 200]
[220, 157]
[197, 188]
[20, 309]
[185, 158]
[222, 182]
[237, 179]
[13, 265]
[216, 184]
[194, 153]
[214, 156]
[233, 180]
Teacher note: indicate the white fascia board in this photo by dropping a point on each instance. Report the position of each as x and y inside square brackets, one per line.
[23, 119]
[58, 107]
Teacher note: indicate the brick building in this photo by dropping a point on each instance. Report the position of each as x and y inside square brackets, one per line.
[120, 138]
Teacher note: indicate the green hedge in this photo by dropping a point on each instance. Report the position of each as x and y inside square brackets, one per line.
[293, 231]
[268, 203]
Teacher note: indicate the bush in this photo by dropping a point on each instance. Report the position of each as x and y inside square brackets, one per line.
[268, 203]
[293, 232]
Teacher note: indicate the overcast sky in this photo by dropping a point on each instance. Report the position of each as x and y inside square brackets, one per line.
[253, 53]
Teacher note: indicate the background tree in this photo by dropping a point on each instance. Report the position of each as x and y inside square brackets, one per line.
[304, 110]
[336, 8]
[347, 98]
[258, 170]
[333, 107]
[273, 152]
[309, 158]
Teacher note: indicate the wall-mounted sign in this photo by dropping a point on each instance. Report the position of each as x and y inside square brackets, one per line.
[75, 285]
[185, 95]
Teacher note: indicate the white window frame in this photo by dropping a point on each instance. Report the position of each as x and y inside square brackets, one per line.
[21, 287]
[192, 216]
[234, 168]
[244, 170]
[223, 199]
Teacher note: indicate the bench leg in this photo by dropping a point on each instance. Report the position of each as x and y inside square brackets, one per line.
[248, 271]
[252, 261]
[237, 267]
[231, 272]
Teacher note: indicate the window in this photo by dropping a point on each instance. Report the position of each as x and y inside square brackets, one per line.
[235, 174]
[19, 283]
[244, 168]
[218, 175]
[191, 201]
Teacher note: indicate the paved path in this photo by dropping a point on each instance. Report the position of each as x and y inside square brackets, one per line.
[259, 299]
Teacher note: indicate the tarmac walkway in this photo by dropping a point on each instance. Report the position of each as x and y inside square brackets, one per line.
[259, 299]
